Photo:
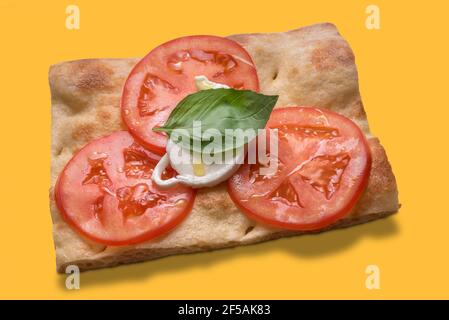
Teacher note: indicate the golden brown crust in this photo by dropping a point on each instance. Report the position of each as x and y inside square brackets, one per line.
[308, 66]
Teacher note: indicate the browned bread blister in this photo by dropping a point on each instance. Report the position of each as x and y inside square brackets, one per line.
[311, 66]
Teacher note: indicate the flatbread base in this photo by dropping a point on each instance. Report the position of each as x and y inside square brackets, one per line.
[311, 66]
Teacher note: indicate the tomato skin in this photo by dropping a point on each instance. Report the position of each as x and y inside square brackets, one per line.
[155, 64]
[297, 227]
[124, 237]
[144, 237]
[262, 215]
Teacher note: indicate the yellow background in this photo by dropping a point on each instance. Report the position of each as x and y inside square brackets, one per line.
[403, 77]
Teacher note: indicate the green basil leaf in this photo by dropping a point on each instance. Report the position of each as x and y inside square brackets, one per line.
[219, 109]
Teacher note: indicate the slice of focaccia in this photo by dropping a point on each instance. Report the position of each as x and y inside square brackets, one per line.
[311, 66]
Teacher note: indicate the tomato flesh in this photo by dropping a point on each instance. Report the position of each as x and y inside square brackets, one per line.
[324, 163]
[105, 192]
[166, 75]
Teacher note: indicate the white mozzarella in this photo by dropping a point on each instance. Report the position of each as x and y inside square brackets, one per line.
[195, 173]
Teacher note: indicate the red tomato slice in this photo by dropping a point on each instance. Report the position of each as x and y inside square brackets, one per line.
[166, 75]
[105, 192]
[323, 166]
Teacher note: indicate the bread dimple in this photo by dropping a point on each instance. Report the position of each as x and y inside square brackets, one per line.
[311, 66]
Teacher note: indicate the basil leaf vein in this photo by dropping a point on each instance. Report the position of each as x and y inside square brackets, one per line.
[219, 109]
